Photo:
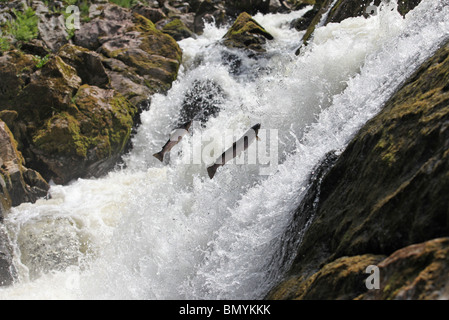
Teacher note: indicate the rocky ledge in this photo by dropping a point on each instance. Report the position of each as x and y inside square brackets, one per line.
[383, 202]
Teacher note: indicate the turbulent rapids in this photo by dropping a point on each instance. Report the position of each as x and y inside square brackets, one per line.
[153, 230]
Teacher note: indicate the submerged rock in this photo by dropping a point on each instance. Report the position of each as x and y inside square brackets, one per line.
[7, 271]
[201, 102]
[393, 176]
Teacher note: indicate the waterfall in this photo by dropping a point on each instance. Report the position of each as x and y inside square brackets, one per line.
[153, 230]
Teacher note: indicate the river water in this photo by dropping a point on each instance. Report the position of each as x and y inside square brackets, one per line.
[152, 230]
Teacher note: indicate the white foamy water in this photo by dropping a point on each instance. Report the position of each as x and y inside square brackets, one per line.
[155, 231]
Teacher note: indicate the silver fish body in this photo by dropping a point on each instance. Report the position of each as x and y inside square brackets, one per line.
[238, 147]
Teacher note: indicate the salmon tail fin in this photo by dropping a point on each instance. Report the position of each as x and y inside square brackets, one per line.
[212, 170]
[159, 156]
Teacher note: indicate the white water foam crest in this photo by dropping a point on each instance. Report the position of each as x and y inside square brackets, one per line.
[154, 231]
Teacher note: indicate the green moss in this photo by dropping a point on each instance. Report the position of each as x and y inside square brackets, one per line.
[246, 33]
[246, 24]
[4, 45]
[61, 135]
[124, 3]
[155, 41]
[177, 30]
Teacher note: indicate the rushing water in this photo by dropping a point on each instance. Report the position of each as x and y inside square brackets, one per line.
[167, 231]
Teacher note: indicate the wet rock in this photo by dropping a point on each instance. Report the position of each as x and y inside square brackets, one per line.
[393, 176]
[344, 9]
[46, 101]
[304, 22]
[247, 34]
[7, 270]
[201, 102]
[48, 244]
[416, 272]
[299, 4]
[209, 12]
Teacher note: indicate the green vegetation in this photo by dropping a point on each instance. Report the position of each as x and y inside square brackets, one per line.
[125, 3]
[24, 28]
[70, 2]
[4, 44]
[40, 62]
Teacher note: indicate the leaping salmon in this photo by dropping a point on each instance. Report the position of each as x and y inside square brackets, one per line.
[239, 146]
[175, 137]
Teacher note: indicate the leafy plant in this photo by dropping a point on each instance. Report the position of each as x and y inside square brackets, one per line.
[84, 8]
[4, 44]
[40, 62]
[24, 28]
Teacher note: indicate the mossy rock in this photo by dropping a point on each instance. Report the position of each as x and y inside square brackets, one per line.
[393, 175]
[93, 133]
[49, 90]
[177, 30]
[154, 41]
[87, 63]
[416, 272]
[236, 7]
[342, 279]
[247, 34]
[15, 71]
[147, 52]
